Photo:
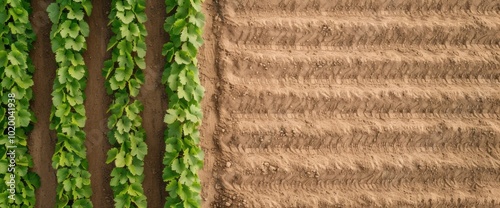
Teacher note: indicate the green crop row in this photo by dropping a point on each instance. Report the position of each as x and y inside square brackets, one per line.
[124, 75]
[183, 155]
[68, 34]
[17, 182]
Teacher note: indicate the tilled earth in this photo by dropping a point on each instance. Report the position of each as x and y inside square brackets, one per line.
[322, 103]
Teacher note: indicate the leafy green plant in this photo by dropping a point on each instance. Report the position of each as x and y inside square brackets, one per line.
[67, 117]
[16, 118]
[124, 77]
[183, 156]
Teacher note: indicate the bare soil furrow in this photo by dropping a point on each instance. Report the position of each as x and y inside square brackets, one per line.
[415, 51]
[361, 101]
[232, 7]
[357, 198]
[480, 84]
[262, 122]
[372, 114]
[315, 141]
[452, 18]
[369, 157]
[489, 151]
[364, 64]
[428, 179]
[366, 115]
[335, 31]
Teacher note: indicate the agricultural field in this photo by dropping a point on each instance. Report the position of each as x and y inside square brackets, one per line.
[251, 103]
[321, 103]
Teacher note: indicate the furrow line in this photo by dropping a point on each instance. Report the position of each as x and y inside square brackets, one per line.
[362, 101]
[290, 122]
[355, 84]
[317, 141]
[406, 51]
[364, 31]
[364, 64]
[450, 18]
[273, 7]
[367, 158]
[271, 178]
[359, 198]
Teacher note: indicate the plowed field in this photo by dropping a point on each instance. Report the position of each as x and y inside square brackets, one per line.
[321, 103]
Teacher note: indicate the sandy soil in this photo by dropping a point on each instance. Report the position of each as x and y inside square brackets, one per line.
[356, 103]
[313, 103]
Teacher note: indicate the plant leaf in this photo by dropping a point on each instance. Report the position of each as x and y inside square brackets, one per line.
[120, 159]
[53, 10]
[112, 153]
[84, 27]
[182, 57]
[76, 72]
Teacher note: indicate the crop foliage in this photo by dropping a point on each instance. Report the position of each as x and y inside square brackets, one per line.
[124, 77]
[16, 118]
[68, 40]
[183, 155]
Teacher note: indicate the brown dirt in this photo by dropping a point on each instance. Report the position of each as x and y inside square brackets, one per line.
[42, 141]
[313, 103]
[356, 103]
[154, 98]
[97, 104]
[210, 80]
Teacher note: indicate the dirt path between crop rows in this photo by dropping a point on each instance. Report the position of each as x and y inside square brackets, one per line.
[42, 141]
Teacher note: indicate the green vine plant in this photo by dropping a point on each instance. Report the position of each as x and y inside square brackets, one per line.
[17, 182]
[67, 117]
[124, 77]
[183, 155]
